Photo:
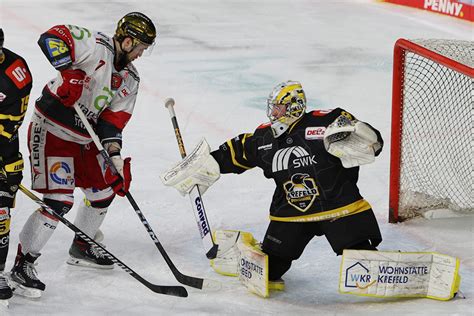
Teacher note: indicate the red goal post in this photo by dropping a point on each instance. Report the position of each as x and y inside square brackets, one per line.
[432, 159]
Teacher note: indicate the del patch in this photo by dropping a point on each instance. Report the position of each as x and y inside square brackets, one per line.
[312, 133]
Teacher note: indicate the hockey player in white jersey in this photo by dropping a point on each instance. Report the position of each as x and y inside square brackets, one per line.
[96, 73]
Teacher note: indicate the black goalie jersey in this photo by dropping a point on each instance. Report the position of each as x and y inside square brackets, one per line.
[311, 184]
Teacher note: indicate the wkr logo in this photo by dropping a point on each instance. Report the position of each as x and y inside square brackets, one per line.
[358, 276]
[302, 158]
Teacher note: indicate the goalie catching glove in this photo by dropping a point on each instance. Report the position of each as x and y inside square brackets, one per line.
[352, 141]
[198, 168]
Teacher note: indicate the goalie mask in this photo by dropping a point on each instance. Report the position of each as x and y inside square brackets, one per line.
[286, 104]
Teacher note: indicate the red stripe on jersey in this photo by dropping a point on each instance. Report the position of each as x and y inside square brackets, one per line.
[64, 34]
[19, 74]
[264, 125]
[118, 119]
[321, 112]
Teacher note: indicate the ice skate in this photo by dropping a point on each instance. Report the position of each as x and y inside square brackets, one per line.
[85, 255]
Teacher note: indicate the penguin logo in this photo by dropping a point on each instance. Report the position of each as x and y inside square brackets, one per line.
[301, 191]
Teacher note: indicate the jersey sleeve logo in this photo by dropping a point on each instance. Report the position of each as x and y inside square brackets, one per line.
[56, 47]
[58, 52]
[19, 74]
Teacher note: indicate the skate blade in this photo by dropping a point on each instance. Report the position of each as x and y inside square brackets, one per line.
[24, 291]
[86, 263]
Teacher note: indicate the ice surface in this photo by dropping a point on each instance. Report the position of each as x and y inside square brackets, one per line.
[219, 60]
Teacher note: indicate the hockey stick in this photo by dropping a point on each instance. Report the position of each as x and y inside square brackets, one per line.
[161, 289]
[195, 194]
[181, 278]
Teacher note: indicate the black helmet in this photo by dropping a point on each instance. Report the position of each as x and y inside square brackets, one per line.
[137, 26]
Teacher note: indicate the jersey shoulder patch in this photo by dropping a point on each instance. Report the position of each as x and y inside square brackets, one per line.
[19, 74]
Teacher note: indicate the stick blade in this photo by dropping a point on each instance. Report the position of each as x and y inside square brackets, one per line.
[177, 290]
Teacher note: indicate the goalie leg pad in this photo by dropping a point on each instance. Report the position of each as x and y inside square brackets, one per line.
[399, 274]
[239, 255]
[253, 266]
[228, 254]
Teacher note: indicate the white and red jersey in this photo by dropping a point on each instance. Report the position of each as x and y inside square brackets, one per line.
[108, 97]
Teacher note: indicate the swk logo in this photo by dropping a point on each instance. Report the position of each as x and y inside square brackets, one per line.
[301, 158]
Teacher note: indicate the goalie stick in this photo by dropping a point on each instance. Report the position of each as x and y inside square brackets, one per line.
[161, 289]
[195, 282]
[195, 194]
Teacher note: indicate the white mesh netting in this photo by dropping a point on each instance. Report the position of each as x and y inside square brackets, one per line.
[437, 155]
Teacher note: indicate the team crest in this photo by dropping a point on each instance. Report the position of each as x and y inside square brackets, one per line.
[301, 191]
[116, 81]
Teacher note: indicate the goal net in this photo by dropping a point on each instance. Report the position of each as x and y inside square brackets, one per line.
[432, 149]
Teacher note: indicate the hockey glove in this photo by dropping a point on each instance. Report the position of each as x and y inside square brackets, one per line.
[71, 89]
[11, 172]
[352, 141]
[120, 182]
[198, 168]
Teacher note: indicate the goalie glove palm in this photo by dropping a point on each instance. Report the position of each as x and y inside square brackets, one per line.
[198, 168]
[352, 141]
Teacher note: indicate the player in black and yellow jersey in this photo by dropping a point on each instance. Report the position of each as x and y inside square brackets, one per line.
[314, 159]
[15, 87]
